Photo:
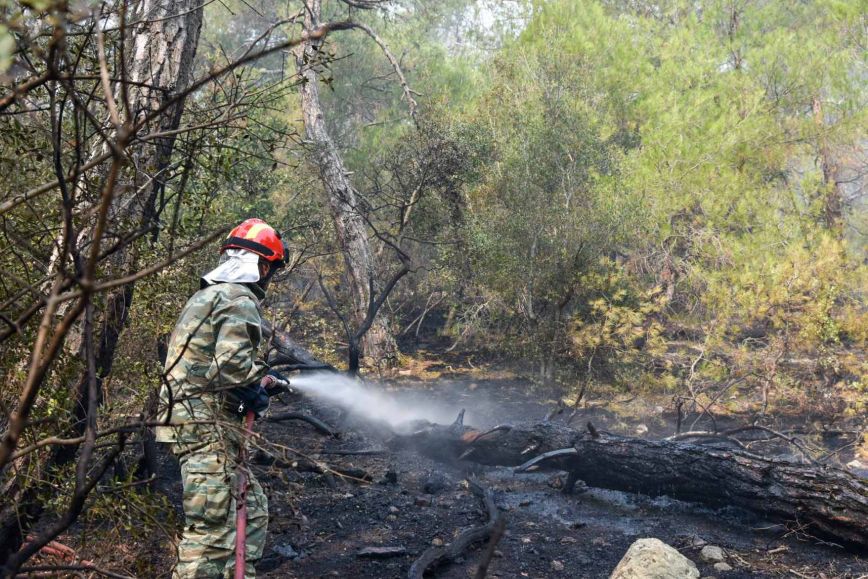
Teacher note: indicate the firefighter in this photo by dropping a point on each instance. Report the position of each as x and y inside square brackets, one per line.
[212, 378]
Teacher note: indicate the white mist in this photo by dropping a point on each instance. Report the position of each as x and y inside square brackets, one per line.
[368, 402]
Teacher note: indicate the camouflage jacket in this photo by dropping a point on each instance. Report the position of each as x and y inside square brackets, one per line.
[213, 348]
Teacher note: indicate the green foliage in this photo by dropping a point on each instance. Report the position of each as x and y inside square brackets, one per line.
[680, 144]
[618, 326]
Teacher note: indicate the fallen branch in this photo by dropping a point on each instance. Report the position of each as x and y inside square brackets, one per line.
[705, 435]
[434, 556]
[496, 535]
[286, 354]
[728, 435]
[57, 549]
[308, 464]
[55, 571]
[321, 426]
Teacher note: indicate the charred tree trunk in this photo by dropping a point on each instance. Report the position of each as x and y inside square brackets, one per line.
[378, 343]
[286, 354]
[825, 501]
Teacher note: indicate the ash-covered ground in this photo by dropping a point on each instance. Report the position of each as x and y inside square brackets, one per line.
[318, 529]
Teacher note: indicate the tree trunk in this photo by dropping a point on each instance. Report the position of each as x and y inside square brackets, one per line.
[822, 500]
[832, 193]
[163, 50]
[160, 65]
[378, 344]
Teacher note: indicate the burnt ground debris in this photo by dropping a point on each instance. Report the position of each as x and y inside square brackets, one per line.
[321, 524]
[318, 527]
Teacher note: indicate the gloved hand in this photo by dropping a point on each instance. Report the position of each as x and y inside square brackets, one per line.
[253, 397]
[274, 383]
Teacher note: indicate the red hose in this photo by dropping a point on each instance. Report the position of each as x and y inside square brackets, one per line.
[241, 502]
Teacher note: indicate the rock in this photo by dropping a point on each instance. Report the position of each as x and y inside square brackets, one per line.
[712, 554]
[285, 550]
[659, 409]
[568, 540]
[722, 567]
[422, 502]
[525, 503]
[653, 559]
[698, 542]
[381, 552]
[437, 542]
[436, 483]
[641, 429]
[391, 518]
[394, 510]
[557, 566]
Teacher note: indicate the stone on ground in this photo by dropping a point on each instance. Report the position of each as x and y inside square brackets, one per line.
[653, 559]
[712, 554]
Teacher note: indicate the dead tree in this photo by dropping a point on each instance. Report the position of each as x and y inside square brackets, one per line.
[824, 501]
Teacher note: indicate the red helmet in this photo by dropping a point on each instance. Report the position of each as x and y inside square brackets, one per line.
[257, 236]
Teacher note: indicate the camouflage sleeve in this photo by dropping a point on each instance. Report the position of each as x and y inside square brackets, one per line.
[238, 332]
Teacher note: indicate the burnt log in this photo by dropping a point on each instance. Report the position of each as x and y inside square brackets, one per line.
[286, 354]
[320, 426]
[821, 500]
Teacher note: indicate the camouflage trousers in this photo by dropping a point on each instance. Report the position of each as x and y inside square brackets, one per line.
[207, 547]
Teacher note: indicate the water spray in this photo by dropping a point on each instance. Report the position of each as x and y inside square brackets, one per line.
[368, 403]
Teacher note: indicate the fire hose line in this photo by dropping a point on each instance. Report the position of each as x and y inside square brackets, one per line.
[241, 501]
